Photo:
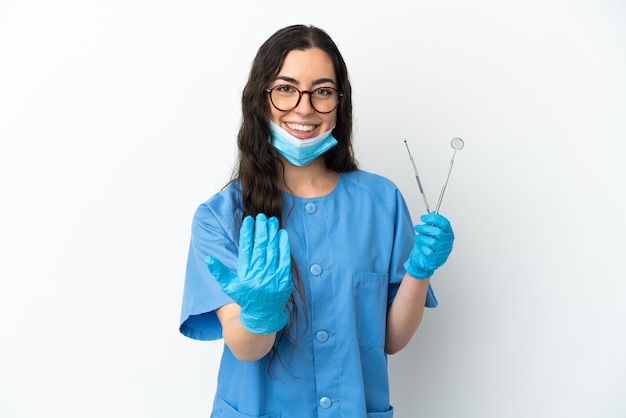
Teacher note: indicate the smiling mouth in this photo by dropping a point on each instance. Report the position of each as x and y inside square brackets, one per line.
[300, 128]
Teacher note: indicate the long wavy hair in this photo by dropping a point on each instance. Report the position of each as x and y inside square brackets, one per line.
[259, 168]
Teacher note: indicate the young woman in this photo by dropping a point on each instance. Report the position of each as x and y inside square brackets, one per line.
[309, 268]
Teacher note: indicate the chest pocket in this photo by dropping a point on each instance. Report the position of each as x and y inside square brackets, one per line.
[370, 304]
[222, 409]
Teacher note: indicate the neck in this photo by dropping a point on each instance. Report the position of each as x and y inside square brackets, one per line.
[312, 180]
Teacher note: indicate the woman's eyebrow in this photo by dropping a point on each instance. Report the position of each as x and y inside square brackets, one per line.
[324, 80]
[287, 79]
[315, 82]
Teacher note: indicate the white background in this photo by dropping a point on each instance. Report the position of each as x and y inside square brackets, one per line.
[117, 118]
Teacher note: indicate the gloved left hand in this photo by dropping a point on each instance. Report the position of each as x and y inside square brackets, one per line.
[433, 244]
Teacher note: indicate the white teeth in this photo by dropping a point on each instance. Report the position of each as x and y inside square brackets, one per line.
[302, 128]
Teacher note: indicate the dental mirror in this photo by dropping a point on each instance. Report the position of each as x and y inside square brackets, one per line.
[456, 144]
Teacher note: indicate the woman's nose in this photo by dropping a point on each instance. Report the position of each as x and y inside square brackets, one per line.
[304, 106]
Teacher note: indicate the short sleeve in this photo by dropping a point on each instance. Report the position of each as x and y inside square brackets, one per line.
[215, 226]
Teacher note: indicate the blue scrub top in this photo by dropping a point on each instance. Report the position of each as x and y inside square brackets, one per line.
[349, 247]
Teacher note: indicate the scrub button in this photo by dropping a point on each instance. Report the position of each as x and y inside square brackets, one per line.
[316, 269]
[325, 402]
[322, 336]
[310, 208]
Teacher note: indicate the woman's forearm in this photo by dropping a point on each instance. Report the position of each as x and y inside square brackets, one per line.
[405, 313]
[245, 345]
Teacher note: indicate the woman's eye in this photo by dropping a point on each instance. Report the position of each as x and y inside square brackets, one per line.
[323, 92]
[286, 89]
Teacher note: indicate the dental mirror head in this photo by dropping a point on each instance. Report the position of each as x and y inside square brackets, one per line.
[457, 143]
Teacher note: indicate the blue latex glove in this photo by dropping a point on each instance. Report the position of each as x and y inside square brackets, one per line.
[262, 284]
[433, 244]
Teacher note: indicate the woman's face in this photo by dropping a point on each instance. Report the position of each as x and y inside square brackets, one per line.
[307, 70]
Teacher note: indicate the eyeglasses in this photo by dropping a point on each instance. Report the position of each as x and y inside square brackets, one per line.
[285, 98]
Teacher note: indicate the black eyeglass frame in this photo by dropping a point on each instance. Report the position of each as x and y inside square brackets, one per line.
[269, 91]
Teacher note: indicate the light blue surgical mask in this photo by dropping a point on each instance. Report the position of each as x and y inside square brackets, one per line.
[300, 152]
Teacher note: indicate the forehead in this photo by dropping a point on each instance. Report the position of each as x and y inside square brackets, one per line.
[308, 65]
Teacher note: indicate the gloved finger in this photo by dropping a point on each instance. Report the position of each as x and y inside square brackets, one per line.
[436, 232]
[437, 220]
[420, 262]
[435, 259]
[433, 243]
[222, 274]
[273, 249]
[284, 261]
[422, 240]
[430, 259]
[246, 240]
[257, 262]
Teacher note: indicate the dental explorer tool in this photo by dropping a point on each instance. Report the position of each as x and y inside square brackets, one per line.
[417, 177]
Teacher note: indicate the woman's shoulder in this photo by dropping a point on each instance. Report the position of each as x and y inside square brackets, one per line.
[229, 193]
[372, 182]
[365, 188]
[222, 205]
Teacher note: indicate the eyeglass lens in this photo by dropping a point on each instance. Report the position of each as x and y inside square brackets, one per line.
[323, 99]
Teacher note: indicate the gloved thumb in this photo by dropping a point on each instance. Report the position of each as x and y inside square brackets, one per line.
[221, 273]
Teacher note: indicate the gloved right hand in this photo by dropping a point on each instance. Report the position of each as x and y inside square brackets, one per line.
[262, 284]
